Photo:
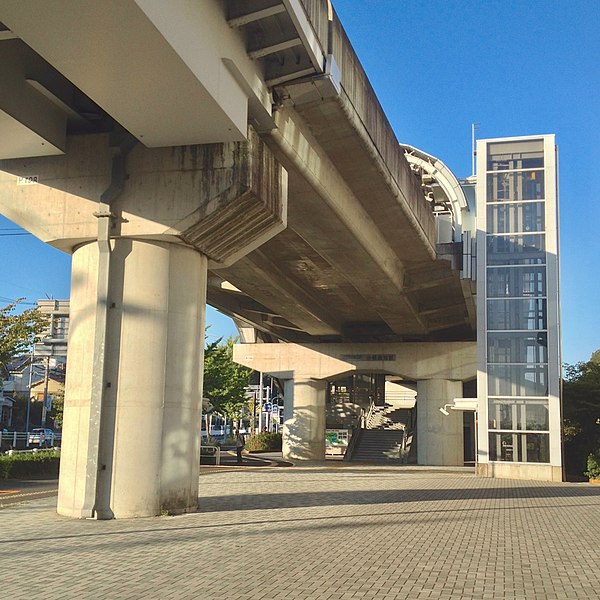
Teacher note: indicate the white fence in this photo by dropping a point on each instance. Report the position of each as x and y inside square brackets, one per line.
[20, 440]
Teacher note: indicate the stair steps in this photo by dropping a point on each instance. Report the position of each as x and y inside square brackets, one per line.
[381, 441]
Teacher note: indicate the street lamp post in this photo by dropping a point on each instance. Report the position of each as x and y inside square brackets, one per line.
[45, 405]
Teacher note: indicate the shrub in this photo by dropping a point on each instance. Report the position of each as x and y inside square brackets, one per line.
[26, 464]
[263, 442]
[593, 465]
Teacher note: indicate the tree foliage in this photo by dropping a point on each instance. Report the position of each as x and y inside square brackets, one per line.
[58, 407]
[581, 412]
[224, 380]
[18, 331]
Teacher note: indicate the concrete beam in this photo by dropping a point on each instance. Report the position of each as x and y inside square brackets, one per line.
[263, 281]
[30, 123]
[411, 360]
[222, 199]
[166, 57]
[297, 149]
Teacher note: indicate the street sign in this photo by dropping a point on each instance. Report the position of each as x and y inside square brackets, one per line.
[267, 407]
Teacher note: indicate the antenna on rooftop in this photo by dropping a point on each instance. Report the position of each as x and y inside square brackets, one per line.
[474, 126]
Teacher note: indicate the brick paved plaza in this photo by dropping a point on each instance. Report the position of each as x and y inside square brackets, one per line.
[326, 533]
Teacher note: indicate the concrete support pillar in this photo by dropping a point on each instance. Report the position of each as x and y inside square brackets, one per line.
[304, 419]
[135, 452]
[439, 437]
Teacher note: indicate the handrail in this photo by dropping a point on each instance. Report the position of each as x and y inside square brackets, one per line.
[216, 453]
[404, 451]
[356, 432]
[403, 455]
[368, 415]
[362, 422]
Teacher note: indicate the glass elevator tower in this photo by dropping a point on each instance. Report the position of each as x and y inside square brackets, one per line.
[518, 338]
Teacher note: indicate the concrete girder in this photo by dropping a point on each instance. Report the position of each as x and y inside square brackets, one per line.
[272, 288]
[299, 294]
[446, 317]
[30, 123]
[294, 145]
[296, 148]
[431, 275]
[245, 310]
[166, 57]
[356, 274]
[439, 288]
[387, 188]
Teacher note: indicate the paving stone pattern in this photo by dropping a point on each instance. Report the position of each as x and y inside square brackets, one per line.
[326, 533]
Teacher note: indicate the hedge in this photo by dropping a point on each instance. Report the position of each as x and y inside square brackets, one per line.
[26, 464]
[263, 442]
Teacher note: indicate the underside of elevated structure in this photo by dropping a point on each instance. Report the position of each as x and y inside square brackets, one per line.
[224, 152]
[230, 152]
[358, 259]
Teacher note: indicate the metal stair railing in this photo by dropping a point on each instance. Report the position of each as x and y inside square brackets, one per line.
[361, 423]
[353, 443]
[405, 450]
[366, 420]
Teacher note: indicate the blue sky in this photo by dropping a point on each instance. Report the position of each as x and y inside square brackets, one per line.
[516, 68]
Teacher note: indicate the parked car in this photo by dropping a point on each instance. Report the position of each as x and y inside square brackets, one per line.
[42, 437]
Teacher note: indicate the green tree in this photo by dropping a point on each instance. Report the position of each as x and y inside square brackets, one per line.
[18, 331]
[58, 407]
[581, 412]
[224, 381]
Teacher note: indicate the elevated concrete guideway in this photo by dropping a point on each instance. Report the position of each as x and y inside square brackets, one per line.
[229, 152]
[357, 220]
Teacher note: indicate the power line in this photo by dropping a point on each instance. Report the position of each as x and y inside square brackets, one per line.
[14, 300]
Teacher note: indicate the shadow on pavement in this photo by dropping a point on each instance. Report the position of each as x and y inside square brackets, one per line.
[307, 499]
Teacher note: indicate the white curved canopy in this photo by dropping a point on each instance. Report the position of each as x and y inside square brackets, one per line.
[444, 177]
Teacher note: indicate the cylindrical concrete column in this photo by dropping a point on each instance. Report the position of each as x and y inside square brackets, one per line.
[148, 453]
[304, 419]
[439, 437]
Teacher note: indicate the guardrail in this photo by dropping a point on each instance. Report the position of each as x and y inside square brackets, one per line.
[13, 440]
[211, 451]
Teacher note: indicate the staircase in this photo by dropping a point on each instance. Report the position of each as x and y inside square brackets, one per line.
[382, 439]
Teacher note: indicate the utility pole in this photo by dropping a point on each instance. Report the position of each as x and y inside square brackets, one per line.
[28, 412]
[45, 404]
